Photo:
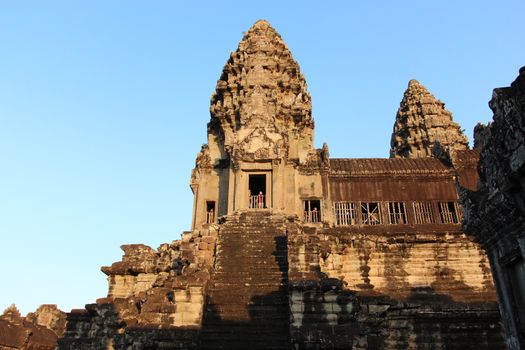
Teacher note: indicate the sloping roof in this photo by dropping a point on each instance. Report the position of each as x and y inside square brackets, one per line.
[387, 166]
[469, 157]
[466, 164]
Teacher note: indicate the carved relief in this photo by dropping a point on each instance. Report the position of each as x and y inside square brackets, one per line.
[310, 165]
[262, 153]
[324, 156]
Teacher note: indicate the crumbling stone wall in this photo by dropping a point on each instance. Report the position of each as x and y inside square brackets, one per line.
[39, 330]
[155, 298]
[49, 316]
[322, 312]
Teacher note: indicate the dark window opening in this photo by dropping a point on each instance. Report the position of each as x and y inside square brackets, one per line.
[210, 212]
[397, 213]
[312, 210]
[257, 187]
[370, 214]
[345, 213]
[449, 212]
[423, 212]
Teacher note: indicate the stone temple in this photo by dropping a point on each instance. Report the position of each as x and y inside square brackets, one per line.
[290, 248]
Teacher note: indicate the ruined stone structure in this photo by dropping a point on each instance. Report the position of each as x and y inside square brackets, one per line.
[39, 330]
[290, 248]
[495, 211]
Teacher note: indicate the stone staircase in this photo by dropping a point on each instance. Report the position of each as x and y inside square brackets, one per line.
[247, 304]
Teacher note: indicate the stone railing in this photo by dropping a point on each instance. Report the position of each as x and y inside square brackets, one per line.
[311, 216]
[210, 217]
[257, 202]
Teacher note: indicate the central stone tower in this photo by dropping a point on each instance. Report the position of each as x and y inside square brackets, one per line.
[261, 131]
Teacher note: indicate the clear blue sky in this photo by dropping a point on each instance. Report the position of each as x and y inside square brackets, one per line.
[104, 105]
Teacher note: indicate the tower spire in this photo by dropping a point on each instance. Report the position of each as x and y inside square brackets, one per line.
[261, 103]
[421, 123]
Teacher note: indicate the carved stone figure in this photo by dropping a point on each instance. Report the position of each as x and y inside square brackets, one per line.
[203, 157]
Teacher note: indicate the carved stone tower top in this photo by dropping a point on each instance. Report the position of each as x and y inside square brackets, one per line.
[261, 109]
[421, 122]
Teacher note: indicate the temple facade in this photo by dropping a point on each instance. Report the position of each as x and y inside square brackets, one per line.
[292, 249]
[260, 152]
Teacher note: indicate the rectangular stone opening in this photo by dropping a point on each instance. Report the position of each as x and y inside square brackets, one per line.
[345, 213]
[370, 213]
[449, 212]
[257, 188]
[423, 212]
[210, 212]
[312, 210]
[396, 213]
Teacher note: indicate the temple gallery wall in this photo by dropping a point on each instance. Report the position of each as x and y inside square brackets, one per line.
[290, 248]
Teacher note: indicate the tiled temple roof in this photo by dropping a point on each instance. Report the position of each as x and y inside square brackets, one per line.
[387, 166]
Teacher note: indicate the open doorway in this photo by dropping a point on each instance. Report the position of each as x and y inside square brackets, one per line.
[210, 212]
[257, 187]
[312, 210]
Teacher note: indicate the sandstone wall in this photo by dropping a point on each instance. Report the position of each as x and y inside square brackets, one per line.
[390, 292]
[446, 263]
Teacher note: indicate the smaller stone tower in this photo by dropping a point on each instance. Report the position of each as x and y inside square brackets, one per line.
[421, 122]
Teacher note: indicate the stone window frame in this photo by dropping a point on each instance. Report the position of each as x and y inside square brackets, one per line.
[213, 217]
[320, 212]
[446, 215]
[345, 213]
[356, 213]
[351, 213]
[242, 186]
[396, 212]
[423, 212]
[370, 213]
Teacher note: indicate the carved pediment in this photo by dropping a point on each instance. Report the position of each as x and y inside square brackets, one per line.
[259, 143]
[262, 153]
